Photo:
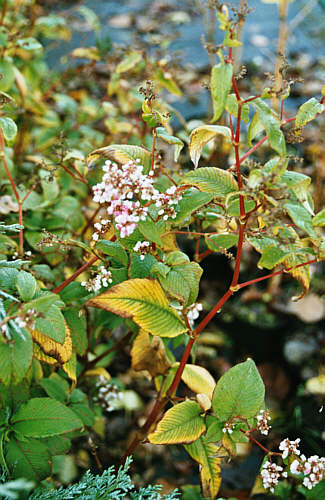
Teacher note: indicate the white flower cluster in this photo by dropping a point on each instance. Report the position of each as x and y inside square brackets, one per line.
[124, 187]
[229, 427]
[108, 394]
[101, 228]
[262, 422]
[142, 247]
[103, 278]
[313, 469]
[271, 474]
[194, 312]
[287, 447]
[28, 319]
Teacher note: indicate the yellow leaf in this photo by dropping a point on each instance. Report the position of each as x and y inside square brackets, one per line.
[144, 301]
[316, 385]
[70, 368]
[198, 379]
[149, 354]
[60, 352]
[301, 274]
[100, 371]
[204, 401]
[40, 356]
[206, 455]
[201, 135]
[181, 424]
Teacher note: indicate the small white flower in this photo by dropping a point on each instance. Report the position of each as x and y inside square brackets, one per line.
[287, 447]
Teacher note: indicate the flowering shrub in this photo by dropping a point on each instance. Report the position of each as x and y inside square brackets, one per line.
[103, 255]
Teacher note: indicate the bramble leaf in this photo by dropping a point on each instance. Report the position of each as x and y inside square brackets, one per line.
[307, 112]
[122, 153]
[144, 301]
[26, 285]
[56, 350]
[221, 80]
[272, 256]
[170, 139]
[181, 424]
[149, 354]
[240, 391]
[203, 134]
[191, 201]
[28, 458]
[211, 180]
[272, 125]
[15, 356]
[206, 454]
[9, 128]
[198, 379]
[43, 417]
[217, 242]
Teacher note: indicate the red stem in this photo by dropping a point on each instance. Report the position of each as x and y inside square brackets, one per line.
[286, 270]
[81, 269]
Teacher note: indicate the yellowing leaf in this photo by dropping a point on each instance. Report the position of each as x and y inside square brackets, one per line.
[198, 379]
[149, 354]
[206, 455]
[181, 424]
[70, 368]
[60, 352]
[129, 62]
[316, 385]
[100, 371]
[91, 53]
[144, 301]
[122, 153]
[301, 274]
[201, 135]
[211, 180]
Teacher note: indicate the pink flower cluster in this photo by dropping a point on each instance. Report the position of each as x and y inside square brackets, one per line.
[127, 191]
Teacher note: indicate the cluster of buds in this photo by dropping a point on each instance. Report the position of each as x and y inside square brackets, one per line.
[262, 422]
[312, 468]
[102, 278]
[28, 319]
[193, 312]
[271, 473]
[108, 394]
[127, 191]
[229, 427]
[143, 247]
[101, 228]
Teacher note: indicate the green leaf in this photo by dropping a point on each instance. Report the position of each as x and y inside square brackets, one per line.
[319, 219]
[55, 387]
[233, 206]
[211, 180]
[144, 301]
[254, 129]
[201, 136]
[43, 417]
[232, 108]
[26, 285]
[162, 133]
[141, 268]
[113, 249]
[28, 458]
[152, 231]
[52, 325]
[182, 282]
[181, 424]
[272, 125]
[300, 216]
[49, 185]
[221, 80]
[272, 256]
[84, 413]
[177, 258]
[167, 81]
[15, 356]
[191, 201]
[206, 454]
[9, 128]
[29, 44]
[78, 329]
[129, 62]
[8, 278]
[217, 242]
[57, 445]
[307, 112]
[299, 185]
[198, 379]
[7, 75]
[240, 391]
